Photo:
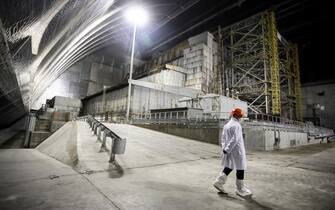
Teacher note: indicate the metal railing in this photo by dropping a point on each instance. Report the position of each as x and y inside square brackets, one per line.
[42, 110]
[218, 119]
[172, 115]
[176, 118]
[118, 144]
[274, 119]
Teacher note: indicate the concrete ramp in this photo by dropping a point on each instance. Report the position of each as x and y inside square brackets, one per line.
[144, 148]
[62, 145]
[158, 171]
[31, 180]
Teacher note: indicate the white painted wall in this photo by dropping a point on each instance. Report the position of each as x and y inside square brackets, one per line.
[143, 99]
[85, 78]
[262, 136]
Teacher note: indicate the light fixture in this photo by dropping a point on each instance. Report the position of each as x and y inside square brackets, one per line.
[137, 15]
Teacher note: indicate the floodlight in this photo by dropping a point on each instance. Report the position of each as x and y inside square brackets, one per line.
[137, 15]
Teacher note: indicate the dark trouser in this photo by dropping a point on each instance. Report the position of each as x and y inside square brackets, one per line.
[239, 173]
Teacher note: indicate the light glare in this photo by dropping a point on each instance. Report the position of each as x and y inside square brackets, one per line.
[137, 15]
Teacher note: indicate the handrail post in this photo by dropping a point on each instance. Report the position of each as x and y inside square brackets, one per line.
[118, 144]
[112, 157]
[96, 128]
[103, 145]
[99, 133]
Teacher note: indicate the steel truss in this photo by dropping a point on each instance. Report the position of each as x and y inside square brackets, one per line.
[286, 79]
[257, 65]
[297, 83]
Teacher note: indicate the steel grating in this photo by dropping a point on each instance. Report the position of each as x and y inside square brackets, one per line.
[257, 65]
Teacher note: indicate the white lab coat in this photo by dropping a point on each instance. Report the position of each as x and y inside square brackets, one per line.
[232, 142]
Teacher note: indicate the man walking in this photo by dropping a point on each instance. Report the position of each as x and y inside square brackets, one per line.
[234, 156]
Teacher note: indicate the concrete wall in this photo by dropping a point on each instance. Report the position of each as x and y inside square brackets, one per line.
[71, 106]
[262, 137]
[143, 99]
[199, 62]
[210, 135]
[167, 77]
[6, 134]
[197, 55]
[268, 137]
[85, 78]
[254, 139]
[323, 94]
[286, 139]
[215, 105]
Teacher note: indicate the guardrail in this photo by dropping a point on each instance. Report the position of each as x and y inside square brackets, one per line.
[216, 119]
[179, 115]
[42, 110]
[275, 119]
[165, 117]
[178, 118]
[118, 145]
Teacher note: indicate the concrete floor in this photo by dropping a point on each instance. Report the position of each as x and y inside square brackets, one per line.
[161, 171]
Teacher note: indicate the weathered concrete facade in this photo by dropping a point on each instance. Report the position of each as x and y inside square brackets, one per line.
[318, 103]
[257, 136]
[183, 71]
[197, 55]
[143, 99]
[85, 78]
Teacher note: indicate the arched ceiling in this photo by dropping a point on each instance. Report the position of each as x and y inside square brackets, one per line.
[46, 37]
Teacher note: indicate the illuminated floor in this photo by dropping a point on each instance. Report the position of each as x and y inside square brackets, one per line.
[161, 171]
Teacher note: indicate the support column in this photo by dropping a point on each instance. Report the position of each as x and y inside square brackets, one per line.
[30, 128]
[95, 128]
[297, 84]
[99, 133]
[103, 145]
[273, 57]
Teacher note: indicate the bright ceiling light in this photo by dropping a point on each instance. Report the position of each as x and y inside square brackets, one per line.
[137, 15]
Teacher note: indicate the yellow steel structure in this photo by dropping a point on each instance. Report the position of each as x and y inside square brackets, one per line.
[297, 86]
[272, 53]
[254, 63]
[244, 64]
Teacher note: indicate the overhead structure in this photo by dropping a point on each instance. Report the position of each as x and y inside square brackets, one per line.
[58, 42]
[271, 50]
[297, 84]
[257, 65]
[218, 76]
[11, 105]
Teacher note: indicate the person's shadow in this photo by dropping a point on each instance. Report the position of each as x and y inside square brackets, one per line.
[227, 196]
[251, 203]
[115, 170]
[255, 204]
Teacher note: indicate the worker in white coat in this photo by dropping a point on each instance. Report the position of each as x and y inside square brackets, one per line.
[234, 156]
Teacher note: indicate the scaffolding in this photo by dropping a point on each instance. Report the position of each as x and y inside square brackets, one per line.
[271, 45]
[218, 86]
[297, 84]
[287, 78]
[257, 65]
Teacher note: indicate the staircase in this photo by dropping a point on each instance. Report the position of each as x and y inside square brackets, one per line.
[47, 123]
[42, 131]
[43, 125]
